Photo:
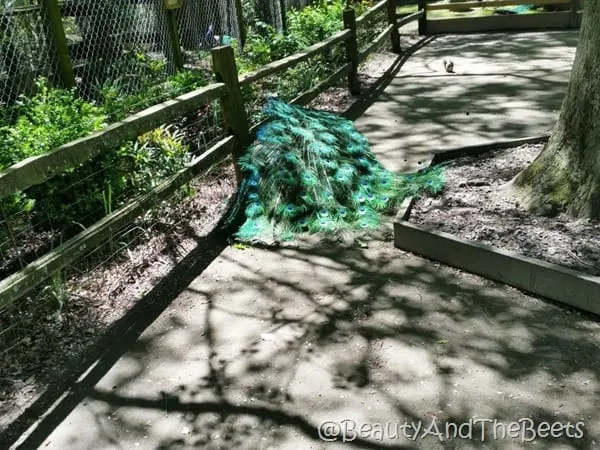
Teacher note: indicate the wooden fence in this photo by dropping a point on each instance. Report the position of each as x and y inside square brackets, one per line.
[227, 89]
[38, 169]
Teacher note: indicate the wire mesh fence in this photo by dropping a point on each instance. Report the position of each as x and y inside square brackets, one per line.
[25, 52]
[56, 322]
[113, 276]
[118, 48]
[114, 47]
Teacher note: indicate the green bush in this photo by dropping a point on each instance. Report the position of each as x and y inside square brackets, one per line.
[125, 95]
[111, 180]
[54, 117]
[49, 119]
[306, 27]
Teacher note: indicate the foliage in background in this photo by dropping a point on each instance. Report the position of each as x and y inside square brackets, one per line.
[54, 117]
[306, 27]
[137, 80]
[49, 119]
[111, 180]
[143, 85]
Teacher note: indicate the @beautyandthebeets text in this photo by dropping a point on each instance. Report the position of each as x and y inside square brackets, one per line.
[524, 430]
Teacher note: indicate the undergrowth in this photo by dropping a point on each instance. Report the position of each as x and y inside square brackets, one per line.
[73, 200]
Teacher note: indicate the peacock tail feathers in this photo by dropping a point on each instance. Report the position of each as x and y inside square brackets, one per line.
[313, 172]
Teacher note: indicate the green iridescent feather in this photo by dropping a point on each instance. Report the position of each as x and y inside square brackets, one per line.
[313, 172]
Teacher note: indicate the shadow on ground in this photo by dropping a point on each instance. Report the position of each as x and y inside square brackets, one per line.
[506, 86]
[111, 346]
[267, 344]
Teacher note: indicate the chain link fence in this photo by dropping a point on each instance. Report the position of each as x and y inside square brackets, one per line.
[117, 47]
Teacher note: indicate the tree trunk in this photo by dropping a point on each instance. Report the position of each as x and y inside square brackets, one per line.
[565, 177]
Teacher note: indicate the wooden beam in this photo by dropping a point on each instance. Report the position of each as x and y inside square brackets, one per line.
[306, 97]
[173, 34]
[239, 15]
[232, 104]
[55, 33]
[371, 11]
[492, 4]
[556, 20]
[26, 280]
[393, 20]
[410, 18]
[423, 20]
[352, 51]
[37, 169]
[292, 60]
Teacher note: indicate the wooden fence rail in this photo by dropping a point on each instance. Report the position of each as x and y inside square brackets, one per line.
[36, 170]
[23, 282]
[292, 60]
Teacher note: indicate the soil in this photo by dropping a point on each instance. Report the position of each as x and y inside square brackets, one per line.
[474, 206]
[42, 337]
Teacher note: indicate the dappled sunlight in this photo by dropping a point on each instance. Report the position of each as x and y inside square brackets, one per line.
[369, 334]
[260, 346]
[506, 86]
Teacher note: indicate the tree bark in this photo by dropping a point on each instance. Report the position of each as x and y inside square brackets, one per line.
[565, 177]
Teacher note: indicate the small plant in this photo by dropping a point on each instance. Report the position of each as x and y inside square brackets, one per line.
[121, 99]
[59, 294]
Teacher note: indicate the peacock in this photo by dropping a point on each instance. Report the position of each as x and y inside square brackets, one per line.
[311, 171]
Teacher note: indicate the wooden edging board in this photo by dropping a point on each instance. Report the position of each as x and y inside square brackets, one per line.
[534, 276]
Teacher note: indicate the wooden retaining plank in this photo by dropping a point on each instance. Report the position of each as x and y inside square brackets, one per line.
[550, 20]
[492, 4]
[529, 274]
[534, 276]
[472, 150]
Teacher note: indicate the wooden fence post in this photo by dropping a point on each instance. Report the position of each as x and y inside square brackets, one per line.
[392, 19]
[174, 33]
[56, 35]
[352, 50]
[422, 5]
[573, 9]
[234, 110]
[239, 14]
[283, 16]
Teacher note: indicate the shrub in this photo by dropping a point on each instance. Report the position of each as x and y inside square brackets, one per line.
[52, 117]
